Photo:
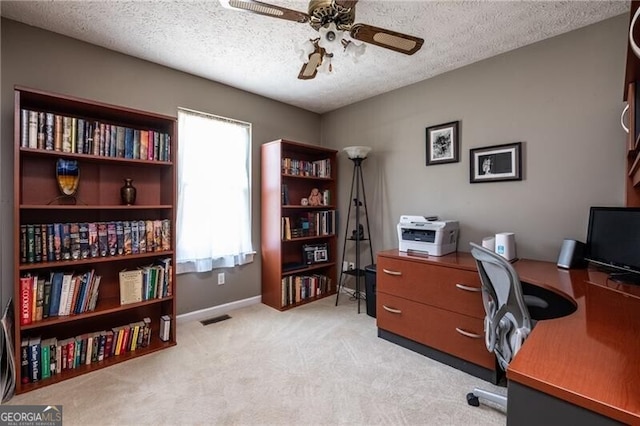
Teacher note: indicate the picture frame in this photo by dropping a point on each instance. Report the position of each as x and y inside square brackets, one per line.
[496, 163]
[443, 144]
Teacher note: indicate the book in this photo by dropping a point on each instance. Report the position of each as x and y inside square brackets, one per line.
[47, 299]
[157, 234]
[142, 236]
[65, 292]
[26, 301]
[108, 343]
[120, 237]
[23, 243]
[66, 242]
[33, 129]
[80, 137]
[57, 241]
[31, 242]
[130, 286]
[128, 142]
[57, 132]
[39, 298]
[150, 240]
[24, 128]
[48, 131]
[165, 328]
[51, 243]
[35, 373]
[44, 240]
[45, 358]
[74, 236]
[126, 225]
[40, 134]
[66, 134]
[83, 232]
[94, 246]
[112, 238]
[147, 331]
[103, 239]
[37, 243]
[24, 361]
[56, 289]
[165, 228]
[135, 237]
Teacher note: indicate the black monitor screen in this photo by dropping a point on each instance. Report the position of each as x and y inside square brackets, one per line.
[613, 238]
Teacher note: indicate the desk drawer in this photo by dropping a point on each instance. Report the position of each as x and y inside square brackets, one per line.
[453, 289]
[434, 327]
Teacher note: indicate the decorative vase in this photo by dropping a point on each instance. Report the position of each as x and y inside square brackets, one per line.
[128, 192]
[68, 176]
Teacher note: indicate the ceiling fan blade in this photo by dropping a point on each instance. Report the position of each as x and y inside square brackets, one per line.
[388, 39]
[266, 9]
[310, 69]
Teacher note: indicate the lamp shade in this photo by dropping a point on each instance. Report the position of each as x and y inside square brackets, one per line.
[357, 151]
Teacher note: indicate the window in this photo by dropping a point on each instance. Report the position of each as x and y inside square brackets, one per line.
[214, 192]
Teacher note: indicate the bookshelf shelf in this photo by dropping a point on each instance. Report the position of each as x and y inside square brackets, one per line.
[117, 143]
[290, 170]
[93, 261]
[106, 306]
[154, 346]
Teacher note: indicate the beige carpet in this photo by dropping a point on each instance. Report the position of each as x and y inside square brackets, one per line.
[313, 365]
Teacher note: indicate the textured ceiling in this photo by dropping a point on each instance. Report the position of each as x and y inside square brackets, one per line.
[258, 53]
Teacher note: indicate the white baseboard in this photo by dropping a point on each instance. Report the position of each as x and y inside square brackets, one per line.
[215, 311]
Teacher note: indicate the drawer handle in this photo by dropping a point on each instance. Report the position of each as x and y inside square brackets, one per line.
[468, 288]
[393, 311]
[466, 333]
[387, 271]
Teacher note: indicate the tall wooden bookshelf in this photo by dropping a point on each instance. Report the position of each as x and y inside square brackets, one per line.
[102, 174]
[298, 241]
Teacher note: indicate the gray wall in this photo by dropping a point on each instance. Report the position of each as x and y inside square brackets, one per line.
[35, 58]
[561, 97]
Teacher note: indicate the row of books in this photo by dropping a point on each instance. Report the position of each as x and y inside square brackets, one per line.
[296, 288]
[319, 168]
[309, 224]
[72, 241]
[57, 294]
[44, 358]
[146, 283]
[56, 132]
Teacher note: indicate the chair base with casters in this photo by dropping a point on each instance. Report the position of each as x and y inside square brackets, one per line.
[473, 398]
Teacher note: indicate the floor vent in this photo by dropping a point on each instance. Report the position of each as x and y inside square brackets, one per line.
[215, 319]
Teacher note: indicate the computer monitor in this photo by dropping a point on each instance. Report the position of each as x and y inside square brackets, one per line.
[613, 241]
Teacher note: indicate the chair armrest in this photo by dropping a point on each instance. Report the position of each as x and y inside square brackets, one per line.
[535, 301]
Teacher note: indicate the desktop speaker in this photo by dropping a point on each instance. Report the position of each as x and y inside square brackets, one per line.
[571, 254]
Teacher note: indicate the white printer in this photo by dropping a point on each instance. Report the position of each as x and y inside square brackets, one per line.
[427, 235]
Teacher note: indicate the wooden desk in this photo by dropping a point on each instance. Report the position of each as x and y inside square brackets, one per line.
[591, 358]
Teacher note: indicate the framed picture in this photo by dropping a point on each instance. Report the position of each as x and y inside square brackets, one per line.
[443, 144]
[496, 163]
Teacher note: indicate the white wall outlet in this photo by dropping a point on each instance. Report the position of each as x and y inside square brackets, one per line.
[352, 266]
[220, 278]
[345, 266]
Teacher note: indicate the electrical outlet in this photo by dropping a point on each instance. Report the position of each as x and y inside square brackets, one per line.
[352, 266]
[220, 278]
[345, 266]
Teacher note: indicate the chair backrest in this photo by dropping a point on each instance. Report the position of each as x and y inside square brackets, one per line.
[507, 320]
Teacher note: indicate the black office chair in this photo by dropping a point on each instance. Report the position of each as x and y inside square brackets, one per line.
[507, 322]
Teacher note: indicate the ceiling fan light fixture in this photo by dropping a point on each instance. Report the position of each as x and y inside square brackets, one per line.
[354, 50]
[326, 67]
[330, 37]
[306, 49]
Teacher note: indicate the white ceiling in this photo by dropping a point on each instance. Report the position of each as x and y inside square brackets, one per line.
[258, 53]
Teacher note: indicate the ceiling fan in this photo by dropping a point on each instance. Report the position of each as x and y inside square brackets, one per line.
[331, 18]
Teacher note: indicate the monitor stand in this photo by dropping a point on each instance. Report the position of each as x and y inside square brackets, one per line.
[625, 277]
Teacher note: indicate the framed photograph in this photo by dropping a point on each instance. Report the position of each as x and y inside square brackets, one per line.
[443, 144]
[496, 163]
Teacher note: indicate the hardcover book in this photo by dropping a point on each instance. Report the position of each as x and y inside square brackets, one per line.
[83, 230]
[31, 243]
[41, 125]
[57, 132]
[26, 299]
[120, 236]
[135, 237]
[150, 239]
[142, 236]
[51, 243]
[127, 236]
[57, 240]
[166, 234]
[103, 239]
[37, 243]
[66, 242]
[24, 128]
[74, 235]
[94, 247]
[49, 131]
[112, 238]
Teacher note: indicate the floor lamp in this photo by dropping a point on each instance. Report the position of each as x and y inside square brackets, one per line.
[357, 154]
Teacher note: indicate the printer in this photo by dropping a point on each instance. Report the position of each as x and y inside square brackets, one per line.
[427, 235]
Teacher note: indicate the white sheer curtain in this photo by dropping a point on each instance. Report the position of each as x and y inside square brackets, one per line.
[214, 193]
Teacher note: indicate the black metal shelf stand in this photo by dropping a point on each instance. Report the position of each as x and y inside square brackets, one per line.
[358, 235]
